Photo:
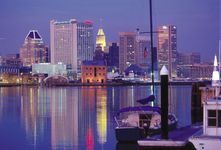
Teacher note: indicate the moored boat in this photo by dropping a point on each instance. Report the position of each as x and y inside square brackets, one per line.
[135, 123]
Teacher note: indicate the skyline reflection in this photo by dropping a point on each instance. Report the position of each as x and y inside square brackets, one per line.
[78, 118]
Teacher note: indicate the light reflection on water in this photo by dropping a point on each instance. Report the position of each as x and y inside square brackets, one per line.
[74, 117]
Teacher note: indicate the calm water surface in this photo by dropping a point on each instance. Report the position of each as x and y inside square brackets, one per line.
[75, 118]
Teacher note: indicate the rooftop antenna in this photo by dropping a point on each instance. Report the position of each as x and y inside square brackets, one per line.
[101, 22]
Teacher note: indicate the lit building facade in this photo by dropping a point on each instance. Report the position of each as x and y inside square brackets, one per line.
[85, 45]
[64, 42]
[195, 71]
[186, 59]
[93, 72]
[49, 69]
[12, 60]
[143, 52]
[101, 39]
[167, 49]
[33, 50]
[127, 48]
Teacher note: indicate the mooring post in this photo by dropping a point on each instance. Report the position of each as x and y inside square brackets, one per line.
[164, 102]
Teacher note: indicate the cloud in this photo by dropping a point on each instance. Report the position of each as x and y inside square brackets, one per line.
[2, 38]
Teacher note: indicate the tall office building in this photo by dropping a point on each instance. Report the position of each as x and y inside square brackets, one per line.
[33, 50]
[71, 42]
[167, 49]
[113, 55]
[127, 46]
[64, 42]
[143, 52]
[101, 39]
[85, 44]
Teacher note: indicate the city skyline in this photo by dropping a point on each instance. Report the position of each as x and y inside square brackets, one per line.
[190, 17]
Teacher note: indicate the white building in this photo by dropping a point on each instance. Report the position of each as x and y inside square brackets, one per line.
[64, 42]
[211, 137]
[49, 69]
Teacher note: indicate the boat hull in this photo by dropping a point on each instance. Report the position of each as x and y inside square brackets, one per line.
[129, 134]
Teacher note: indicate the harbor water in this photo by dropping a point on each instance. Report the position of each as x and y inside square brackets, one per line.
[75, 118]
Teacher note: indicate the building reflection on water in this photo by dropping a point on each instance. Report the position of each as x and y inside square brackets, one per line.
[35, 114]
[73, 116]
[101, 106]
[64, 118]
[79, 118]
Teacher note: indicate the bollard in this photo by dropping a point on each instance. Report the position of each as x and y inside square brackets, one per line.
[164, 102]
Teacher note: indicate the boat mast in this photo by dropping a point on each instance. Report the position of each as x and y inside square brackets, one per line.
[151, 46]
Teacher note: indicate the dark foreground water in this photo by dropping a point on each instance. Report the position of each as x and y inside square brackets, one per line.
[75, 118]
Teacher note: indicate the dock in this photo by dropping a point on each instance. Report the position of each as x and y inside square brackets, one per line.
[177, 138]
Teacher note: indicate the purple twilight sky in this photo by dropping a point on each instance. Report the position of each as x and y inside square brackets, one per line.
[197, 21]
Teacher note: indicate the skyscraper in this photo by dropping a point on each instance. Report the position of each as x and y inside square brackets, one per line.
[126, 50]
[101, 39]
[33, 50]
[71, 42]
[85, 44]
[64, 42]
[167, 48]
[143, 52]
[113, 55]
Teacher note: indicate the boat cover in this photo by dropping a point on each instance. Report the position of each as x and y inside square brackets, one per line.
[146, 100]
[139, 108]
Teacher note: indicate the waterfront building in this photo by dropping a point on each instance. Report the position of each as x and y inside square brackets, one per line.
[93, 72]
[64, 42]
[135, 69]
[9, 70]
[49, 74]
[167, 49]
[49, 69]
[101, 39]
[12, 60]
[187, 59]
[33, 49]
[195, 71]
[85, 44]
[113, 56]
[210, 138]
[127, 48]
